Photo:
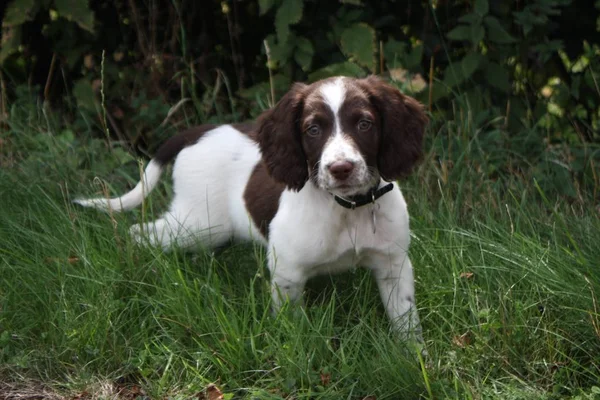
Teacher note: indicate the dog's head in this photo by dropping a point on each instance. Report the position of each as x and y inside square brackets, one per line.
[343, 134]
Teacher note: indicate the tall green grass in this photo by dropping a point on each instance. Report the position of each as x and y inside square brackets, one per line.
[508, 279]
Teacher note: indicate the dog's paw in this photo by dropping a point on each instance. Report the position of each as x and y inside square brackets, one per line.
[136, 234]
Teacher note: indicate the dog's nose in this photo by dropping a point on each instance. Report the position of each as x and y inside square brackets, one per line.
[341, 170]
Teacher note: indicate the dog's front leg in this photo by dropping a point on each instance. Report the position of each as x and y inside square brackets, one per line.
[394, 276]
[287, 281]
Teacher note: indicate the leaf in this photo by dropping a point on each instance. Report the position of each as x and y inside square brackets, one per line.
[496, 33]
[77, 11]
[346, 68]
[289, 13]
[477, 33]
[482, 7]
[264, 6]
[121, 156]
[470, 18]
[19, 11]
[280, 52]
[281, 83]
[457, 73]
[461, 32]
[325, 378]
[213, 392]
[358, 42]
[463, 340]
[84, 94]
[394, 51]
[11, 40]
[413, 59]
[470, 64]
[497, 76]
[304, 53]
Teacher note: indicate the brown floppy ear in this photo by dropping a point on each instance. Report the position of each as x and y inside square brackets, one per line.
[279, 139]
[403, 121]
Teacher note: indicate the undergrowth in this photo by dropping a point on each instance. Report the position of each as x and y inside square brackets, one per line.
[506, 271]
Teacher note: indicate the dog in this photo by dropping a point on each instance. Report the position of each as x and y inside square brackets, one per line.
[314, 180]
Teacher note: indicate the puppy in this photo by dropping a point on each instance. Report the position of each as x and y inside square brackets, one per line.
[313, 180]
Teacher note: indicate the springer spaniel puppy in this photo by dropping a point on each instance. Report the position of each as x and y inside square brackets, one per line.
[313, 180]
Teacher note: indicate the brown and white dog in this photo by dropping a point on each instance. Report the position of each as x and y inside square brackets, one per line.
[313, 180]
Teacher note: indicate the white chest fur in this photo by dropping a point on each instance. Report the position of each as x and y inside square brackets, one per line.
[312, 232]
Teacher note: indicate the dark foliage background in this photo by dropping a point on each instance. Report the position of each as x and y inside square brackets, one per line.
[525, 72]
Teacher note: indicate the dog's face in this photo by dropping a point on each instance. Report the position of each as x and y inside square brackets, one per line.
[343, 134]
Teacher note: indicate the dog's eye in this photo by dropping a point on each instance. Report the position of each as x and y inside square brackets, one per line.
[364, 125]
[313, 130]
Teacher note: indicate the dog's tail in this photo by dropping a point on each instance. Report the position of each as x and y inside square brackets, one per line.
[164, 155]
[131, 199]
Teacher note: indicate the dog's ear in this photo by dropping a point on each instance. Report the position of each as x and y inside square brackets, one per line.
[403, 122]
[280, 141]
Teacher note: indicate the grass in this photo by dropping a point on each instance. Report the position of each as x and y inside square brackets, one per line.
[508, 279]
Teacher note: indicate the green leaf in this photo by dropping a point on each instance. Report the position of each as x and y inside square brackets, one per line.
[470, 63]
[280, 52]
[84, 94]
[264, 6]
[344, 69]
[281, 84]
[77, 11]
[471, 18]
[394, 52]
[19, 11]
[121, 156]
[461, 32]
[358, 42]
[413, 59]
[11, 40]
[497, 76]
[304, 53]
[289, 13]
[482, 7]
[457, 73]
[477, 33]
[496, 33]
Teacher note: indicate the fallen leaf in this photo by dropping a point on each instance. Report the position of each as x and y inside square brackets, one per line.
[213, 392]
[462, 341]
[325, 378]
[466, 275]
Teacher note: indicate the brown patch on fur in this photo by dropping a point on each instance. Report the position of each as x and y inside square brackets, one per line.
[278, 135]
[403, 122]
[261, 196]
[247, 128]
[169, 150]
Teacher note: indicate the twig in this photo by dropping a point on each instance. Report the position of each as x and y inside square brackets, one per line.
[594, 320]
[507, 114]
[49, 78]
[234, 54]
[431, 63]
[381, 57]
[3, 116]
[268, 51]
[138, 26]
[174, 109]
[102, 105]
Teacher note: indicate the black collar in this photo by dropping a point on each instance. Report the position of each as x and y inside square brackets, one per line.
[363, 199]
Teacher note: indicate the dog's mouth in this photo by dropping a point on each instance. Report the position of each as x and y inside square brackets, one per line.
[351, 187]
